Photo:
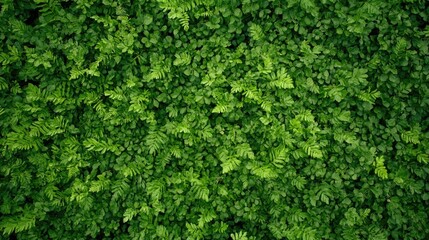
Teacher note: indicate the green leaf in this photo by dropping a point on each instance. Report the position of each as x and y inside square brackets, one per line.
[129, 214]
[201, 192]
[380, 169]
[230, 164]
[3, 84]
[313, 149]
[278, 156]
[423, 158]
[299, 182]
[239, 236]
[369, 96]
[264, 172]
[147, 19]
[281, 80]
[17, 224]
[411, 136]
[256, 32]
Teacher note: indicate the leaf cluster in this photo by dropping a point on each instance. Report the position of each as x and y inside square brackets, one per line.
[252, 119]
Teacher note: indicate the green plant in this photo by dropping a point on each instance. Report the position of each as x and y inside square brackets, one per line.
[214, 119]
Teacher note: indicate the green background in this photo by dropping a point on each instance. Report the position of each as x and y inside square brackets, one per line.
[300, 119]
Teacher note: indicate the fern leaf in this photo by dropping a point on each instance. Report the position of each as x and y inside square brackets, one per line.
[119, 188]
[184, 21]
[50, 192]
[200, 192]
[182, 59]
[237, 86]
[99, 146]
[22, 141]
[244, 150]
[266, 105]
[206, 217]
[230, 165]
[154, 141]
[220, 227]
[239, 236]
[129, 214]
[411, 136]
[157, 72]
[312, 86]
[155, 189]
[299, 182]
[3, 84]
[116, 94]
[17, 224]
[380, 169]
[400, 46]
[221, 108]
[281, 80]
[305, 116]
[256, 32]
[278, 156]
[423, 158]
[264, 172]
[369, 96]
[313, 150]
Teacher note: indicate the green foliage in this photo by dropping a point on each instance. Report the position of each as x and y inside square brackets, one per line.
[192, 119]
[18, 224]
[380, 169]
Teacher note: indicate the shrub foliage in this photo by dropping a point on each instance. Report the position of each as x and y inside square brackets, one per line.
[214, 119]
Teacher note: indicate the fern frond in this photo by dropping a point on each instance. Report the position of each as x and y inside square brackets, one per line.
[157, 72]
[306, 116]
[206, 217]
[312, 149]
[119, 188]
[222, 108]
[400, 46]
[266, 105]
[116, 94]
[281, 80]
[22, 141]
[297, 215]
[369, 96]
[184, 21]
[268, 67]
[201, 192]
[3, 84]
[244, 150]
[412, 136]
[298, 182]
[239, 236]
[129, 214]
[278, 156]
[264, 172]
[17, 224]
[99, 185]
[155, 189]
[380, 169]
[255, 32]
[253, 94]
[194, 230]
[182, 59]
[154, 140]
[48, 127]
[423, 158]
[237, 86]
[312, 86]
[100, 146]
[230, 164]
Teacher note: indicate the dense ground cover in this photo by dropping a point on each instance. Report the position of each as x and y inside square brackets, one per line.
[298, 119]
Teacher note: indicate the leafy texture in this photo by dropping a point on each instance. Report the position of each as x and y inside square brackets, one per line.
[192, 119]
